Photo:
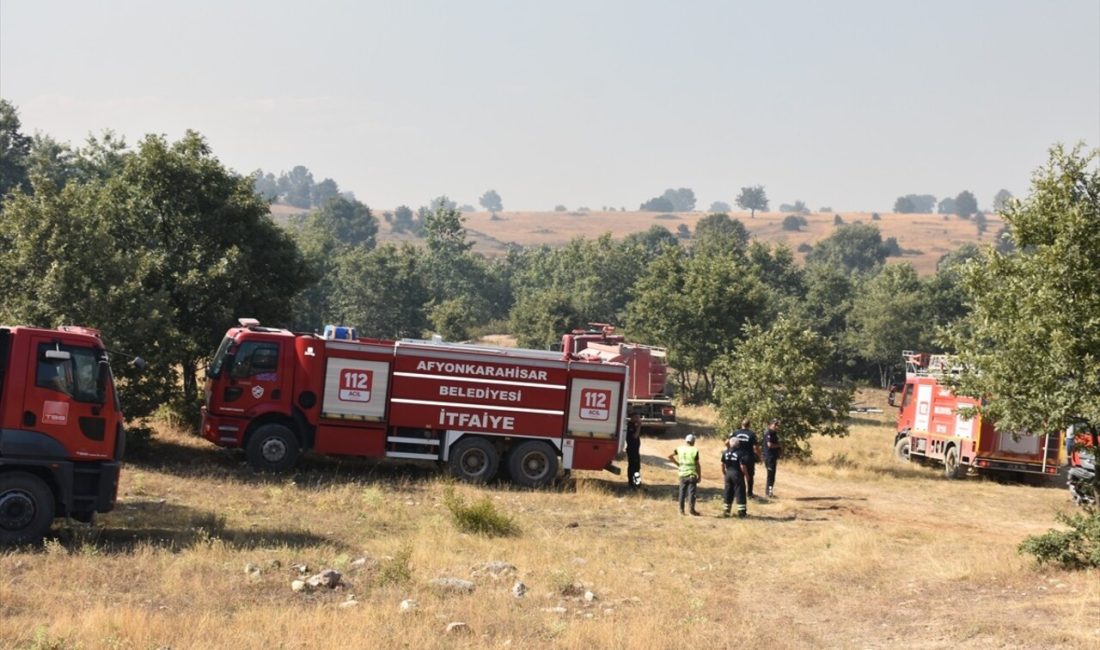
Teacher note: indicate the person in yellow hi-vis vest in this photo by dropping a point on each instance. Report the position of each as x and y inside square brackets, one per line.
[686, 458]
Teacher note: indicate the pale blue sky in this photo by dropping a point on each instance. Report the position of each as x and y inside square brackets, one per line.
[844, 104]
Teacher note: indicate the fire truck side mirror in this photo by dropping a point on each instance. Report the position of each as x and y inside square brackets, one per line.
[139, 363]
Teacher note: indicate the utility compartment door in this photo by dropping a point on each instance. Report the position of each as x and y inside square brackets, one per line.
[594, 406]
[355, 389]
[923, 408]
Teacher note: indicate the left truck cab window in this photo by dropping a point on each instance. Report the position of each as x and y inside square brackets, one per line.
[69, 370]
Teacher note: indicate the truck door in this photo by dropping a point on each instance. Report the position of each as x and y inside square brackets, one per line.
[255, 377]
[65, 398]
[923, 408]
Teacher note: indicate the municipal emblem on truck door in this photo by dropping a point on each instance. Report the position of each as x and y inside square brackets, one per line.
[355, 384]
[595, 404]
[257, 391]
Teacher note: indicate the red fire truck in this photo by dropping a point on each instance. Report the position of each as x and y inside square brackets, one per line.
[930, 428]
[61, 436]
[648, 369]
[277, 393]
[1081, 458]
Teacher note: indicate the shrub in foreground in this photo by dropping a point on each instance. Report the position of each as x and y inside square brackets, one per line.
[1076, 548]
[481, 517]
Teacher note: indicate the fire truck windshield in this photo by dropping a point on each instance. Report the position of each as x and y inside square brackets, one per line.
[218, 362]
[74, 372]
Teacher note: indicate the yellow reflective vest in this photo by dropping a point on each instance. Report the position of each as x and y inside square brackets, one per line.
[687, 457]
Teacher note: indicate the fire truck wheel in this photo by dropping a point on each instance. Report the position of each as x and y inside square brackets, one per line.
[533, 464]
[951, 468]
[26, 508]
[901, 449]
[272, 448]
[474, 459]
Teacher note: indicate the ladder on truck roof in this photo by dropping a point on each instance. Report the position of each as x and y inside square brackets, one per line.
[922, 364]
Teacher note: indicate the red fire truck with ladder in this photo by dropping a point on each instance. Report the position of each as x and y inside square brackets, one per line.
[471, 408]
[930, 429]
[648, 369]
[61, 435]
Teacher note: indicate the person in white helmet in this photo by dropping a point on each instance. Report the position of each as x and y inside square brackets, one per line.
[686, 458]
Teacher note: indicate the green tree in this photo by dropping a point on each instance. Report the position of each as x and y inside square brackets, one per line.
[1032, 337]
[348, 222]
[491, 201]
[946, 205]
[753, 198]
[296, 187]
[965, 204]
[855, 248]
[794, 222]
[323, 192]
[720, 206]
[682, 199]
[718, 231]
[1000, 200]
[657, 204]
[15, 147]
[887, 317]
[382, 292]
[779, 373]
[696, 306]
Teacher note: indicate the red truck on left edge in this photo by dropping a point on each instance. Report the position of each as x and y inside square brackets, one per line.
[471, 408]
[61, 430]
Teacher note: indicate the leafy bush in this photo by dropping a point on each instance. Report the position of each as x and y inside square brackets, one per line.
[1076, 548]
[794, 222]
[395, 570]
[481, 518]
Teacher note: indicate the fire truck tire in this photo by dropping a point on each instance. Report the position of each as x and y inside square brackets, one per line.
[901, 450]
[951, 467]
[533, 464]
[474, 460]
[272, 448]
[26, 508]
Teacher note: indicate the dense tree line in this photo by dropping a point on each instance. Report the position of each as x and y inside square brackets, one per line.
[161, 247]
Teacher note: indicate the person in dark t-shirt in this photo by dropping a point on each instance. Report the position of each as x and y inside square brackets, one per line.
[747, 452]
[772, 451]
[634, 451]
[735, 478]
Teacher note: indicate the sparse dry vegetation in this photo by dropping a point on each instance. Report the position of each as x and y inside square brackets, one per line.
[857, 551]
[923, 238]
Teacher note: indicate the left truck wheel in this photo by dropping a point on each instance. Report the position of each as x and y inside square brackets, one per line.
[26, 508]
[273, 448]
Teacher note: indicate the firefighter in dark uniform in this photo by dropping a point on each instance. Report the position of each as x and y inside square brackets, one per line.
[772, 451]
[634, 451]
[735, 478]
[747, 451]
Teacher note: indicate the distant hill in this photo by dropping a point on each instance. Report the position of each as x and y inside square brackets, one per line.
[925, 237]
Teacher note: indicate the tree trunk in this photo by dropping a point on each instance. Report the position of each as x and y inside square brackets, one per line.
[190, 383]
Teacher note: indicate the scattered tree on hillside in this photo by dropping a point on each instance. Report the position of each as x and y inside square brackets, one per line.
[657, 204]
[965, 204]
[560, 208]
[794, 222]
[683, 232]
[720, 232]
[1000, 200]
[490, 200]
[798, 207]
[946, 205]
[753, 198]
[915, 204]
[296, 187]
[838, 220]
[720, 206]
[682, 200]
[980, 222]
[324, 192]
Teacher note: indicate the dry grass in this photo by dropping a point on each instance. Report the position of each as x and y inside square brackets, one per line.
[930, 234]
[858, 551]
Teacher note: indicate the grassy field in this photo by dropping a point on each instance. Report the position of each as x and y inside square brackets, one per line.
[857, 551]
[926, 237]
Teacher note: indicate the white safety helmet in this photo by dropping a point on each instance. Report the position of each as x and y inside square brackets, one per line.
[689, 437]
